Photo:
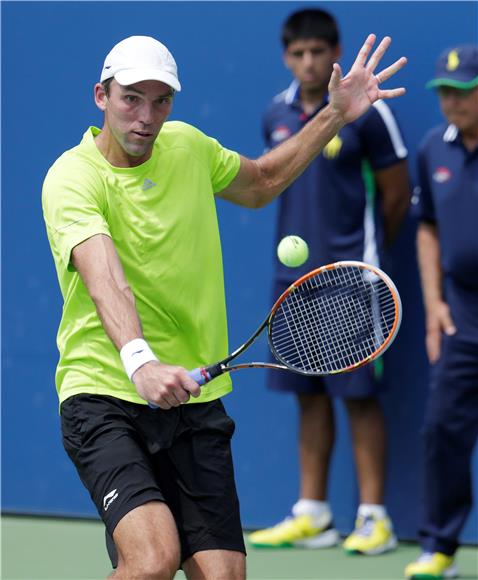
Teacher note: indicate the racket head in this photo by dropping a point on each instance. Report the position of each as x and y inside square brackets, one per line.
[335, 319]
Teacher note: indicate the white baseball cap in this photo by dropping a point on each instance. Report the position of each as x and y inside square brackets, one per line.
[140, 58]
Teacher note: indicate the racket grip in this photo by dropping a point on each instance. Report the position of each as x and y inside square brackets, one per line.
[200, 375]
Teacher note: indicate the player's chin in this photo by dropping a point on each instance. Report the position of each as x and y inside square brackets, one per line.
[464, 126]
[461, 121]
[136, 149]
[313, 84]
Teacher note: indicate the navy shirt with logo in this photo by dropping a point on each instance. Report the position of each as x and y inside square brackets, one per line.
[333, 205]
[448, 198]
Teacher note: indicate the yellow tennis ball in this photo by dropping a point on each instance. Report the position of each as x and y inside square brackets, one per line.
[292, 251]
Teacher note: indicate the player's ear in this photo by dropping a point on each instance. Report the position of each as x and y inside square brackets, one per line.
[100, 96]
[285, 58]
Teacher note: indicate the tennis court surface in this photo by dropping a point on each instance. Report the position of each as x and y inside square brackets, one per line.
[66, 549]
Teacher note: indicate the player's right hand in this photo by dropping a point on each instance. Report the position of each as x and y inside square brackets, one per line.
[439, 322]
[165, 386]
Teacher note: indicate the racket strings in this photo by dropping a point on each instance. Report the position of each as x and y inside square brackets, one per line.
[341, 315]
[334, 320]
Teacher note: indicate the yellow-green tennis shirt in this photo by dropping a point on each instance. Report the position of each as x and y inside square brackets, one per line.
[162, 219]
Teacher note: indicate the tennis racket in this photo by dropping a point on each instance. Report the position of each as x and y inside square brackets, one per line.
[332, 320]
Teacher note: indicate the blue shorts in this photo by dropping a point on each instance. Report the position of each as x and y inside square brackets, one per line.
[361, 383]
[358, 384]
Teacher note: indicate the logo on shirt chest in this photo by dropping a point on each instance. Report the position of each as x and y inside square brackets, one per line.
[148, 184]
[280, 133]
[441, 174]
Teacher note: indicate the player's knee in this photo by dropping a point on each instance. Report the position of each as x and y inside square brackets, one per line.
[235, 568]
[151, 564]
[164, 567]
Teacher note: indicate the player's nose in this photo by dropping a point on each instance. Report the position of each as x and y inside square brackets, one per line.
[308, 58]
[146, 115]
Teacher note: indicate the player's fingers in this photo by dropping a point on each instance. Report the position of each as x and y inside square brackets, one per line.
[182, 396]
[190, 385]
[173, 399]
[378, 53]
[160, 403]
[388, 72]
[391, 93]
[449, 327]
[170, 392]
[433, 352]
[364, 51]
[433, 341]
[335, 77]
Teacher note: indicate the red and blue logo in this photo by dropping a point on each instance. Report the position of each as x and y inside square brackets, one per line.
[280, 133]
[441, 174]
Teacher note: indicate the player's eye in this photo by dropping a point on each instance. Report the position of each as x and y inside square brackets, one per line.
[165, 100]
[130, 98]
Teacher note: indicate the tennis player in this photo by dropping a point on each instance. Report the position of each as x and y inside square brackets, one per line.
[447, 243]
[348, 204]
[132, 224]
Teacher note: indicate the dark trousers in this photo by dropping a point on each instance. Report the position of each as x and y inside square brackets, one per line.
[450, 433]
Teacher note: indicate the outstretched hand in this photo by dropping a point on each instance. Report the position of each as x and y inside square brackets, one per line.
[352, 95]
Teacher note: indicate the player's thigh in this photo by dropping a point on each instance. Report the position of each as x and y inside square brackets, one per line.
[453, 395]
[112, 462]
[147, 540]
[216, 565]
[199, 484]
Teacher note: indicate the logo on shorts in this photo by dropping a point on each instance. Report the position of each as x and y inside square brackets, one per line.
[109, 499]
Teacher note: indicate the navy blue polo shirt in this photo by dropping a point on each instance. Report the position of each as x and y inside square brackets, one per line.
[448, 198]
[333, 205]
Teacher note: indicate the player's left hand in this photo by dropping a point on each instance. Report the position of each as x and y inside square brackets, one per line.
[352, 95]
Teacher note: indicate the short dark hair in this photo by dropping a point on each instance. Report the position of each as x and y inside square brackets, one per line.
[310, 23]
[106, 85]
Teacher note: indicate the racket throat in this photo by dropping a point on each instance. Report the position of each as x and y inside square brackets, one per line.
[212, 371]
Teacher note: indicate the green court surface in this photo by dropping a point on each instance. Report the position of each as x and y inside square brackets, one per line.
[65, 549]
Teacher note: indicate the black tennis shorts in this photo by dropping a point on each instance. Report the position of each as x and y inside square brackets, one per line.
[128, 454]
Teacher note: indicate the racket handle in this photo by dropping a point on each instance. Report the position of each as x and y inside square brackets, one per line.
[200, 375]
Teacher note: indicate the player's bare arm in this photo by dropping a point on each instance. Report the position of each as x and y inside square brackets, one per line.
[438, 318]
[99, 266]
[394, 185]
[259, 181]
